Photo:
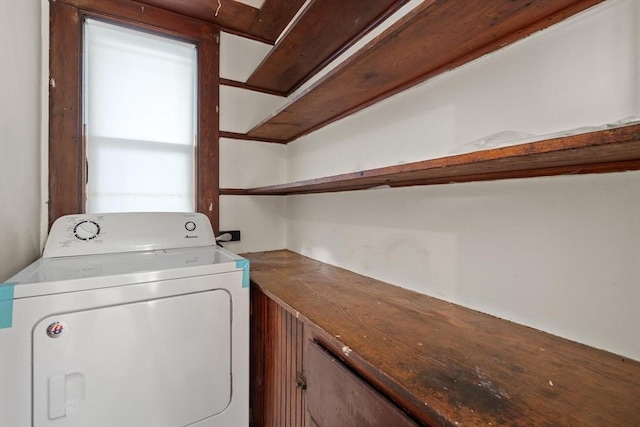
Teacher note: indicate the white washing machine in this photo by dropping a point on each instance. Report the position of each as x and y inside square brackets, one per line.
[128, 320]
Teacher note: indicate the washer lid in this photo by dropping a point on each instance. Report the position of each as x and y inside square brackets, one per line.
[71, 274]
[86, 234]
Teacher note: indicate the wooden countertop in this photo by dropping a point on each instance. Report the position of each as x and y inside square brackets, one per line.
[447, 364]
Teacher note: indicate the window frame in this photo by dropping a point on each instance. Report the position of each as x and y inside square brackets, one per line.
[67, 144]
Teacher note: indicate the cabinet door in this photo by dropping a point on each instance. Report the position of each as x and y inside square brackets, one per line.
[337, 397]
[277, 341]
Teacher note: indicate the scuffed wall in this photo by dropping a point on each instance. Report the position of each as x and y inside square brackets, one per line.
[560, 254]
[20, 134]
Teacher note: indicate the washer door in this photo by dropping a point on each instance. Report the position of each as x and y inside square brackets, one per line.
[162, 362]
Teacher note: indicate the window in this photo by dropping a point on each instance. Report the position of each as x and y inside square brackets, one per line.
[68, 143]
[140, 140]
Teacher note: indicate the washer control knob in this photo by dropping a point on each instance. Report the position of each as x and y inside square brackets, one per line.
[86, 230]
[190, 225]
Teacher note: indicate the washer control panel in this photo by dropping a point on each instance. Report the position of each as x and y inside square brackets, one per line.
[86, 230]
[87, 234]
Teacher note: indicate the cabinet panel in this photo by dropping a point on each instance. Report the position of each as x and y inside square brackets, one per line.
[337, 397]
[277, 339]
[443, 364]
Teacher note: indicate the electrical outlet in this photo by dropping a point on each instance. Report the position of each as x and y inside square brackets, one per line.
[235, 235]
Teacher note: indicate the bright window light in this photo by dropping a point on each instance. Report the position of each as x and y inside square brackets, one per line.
[140, 118]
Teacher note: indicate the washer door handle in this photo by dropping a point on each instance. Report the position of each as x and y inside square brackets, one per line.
[56, 395]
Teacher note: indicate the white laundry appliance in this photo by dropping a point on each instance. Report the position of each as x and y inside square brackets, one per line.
[128, 320]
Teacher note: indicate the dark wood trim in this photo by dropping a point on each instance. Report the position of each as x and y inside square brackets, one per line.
[263, 25]
[277, 344]
[242, 85]
[233, 16]
[208, 151]
[66, 153]
[611, 150]
[326, 28]
[373, 24]
[66, 186]
[233, 192]
[141, 16]
[244, 137]
[273, 17]
[411, 51]
[233, 135]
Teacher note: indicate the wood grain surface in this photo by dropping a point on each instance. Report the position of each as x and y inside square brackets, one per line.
[445, 364]
[610, 150]
[438, 35]
[320, 34]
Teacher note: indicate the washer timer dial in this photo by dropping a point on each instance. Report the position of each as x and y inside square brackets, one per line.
[86, 230]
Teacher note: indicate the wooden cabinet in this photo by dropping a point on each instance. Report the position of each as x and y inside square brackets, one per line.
[335, 396]
[295, 382]
[277, 342]
[385, 353]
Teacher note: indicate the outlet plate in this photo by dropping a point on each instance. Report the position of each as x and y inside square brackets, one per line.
[235, 235]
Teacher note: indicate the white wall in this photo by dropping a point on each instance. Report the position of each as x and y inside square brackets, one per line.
[561, 253]
[246, 164]
[558, 254]
[261, 220]
[241, 110]
[20, 134]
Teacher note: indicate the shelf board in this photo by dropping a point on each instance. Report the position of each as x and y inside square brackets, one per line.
[384, 328]
[436, 36]
[323, 31]
[610, 150]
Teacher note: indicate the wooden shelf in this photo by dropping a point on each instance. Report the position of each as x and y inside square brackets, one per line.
[610, 150]
[435, 37]
[322, 32]
[443, 363]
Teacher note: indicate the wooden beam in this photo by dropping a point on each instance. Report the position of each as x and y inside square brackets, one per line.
[231, 14]
[264, 24]
[144, 16]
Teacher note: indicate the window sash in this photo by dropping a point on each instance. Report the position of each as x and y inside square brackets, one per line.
[140, 140]
[67, 166]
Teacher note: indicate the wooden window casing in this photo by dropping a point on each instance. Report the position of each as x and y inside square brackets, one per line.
[67, 156]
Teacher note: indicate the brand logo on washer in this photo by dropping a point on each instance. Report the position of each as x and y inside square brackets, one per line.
[56, 329]
[190, 237]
